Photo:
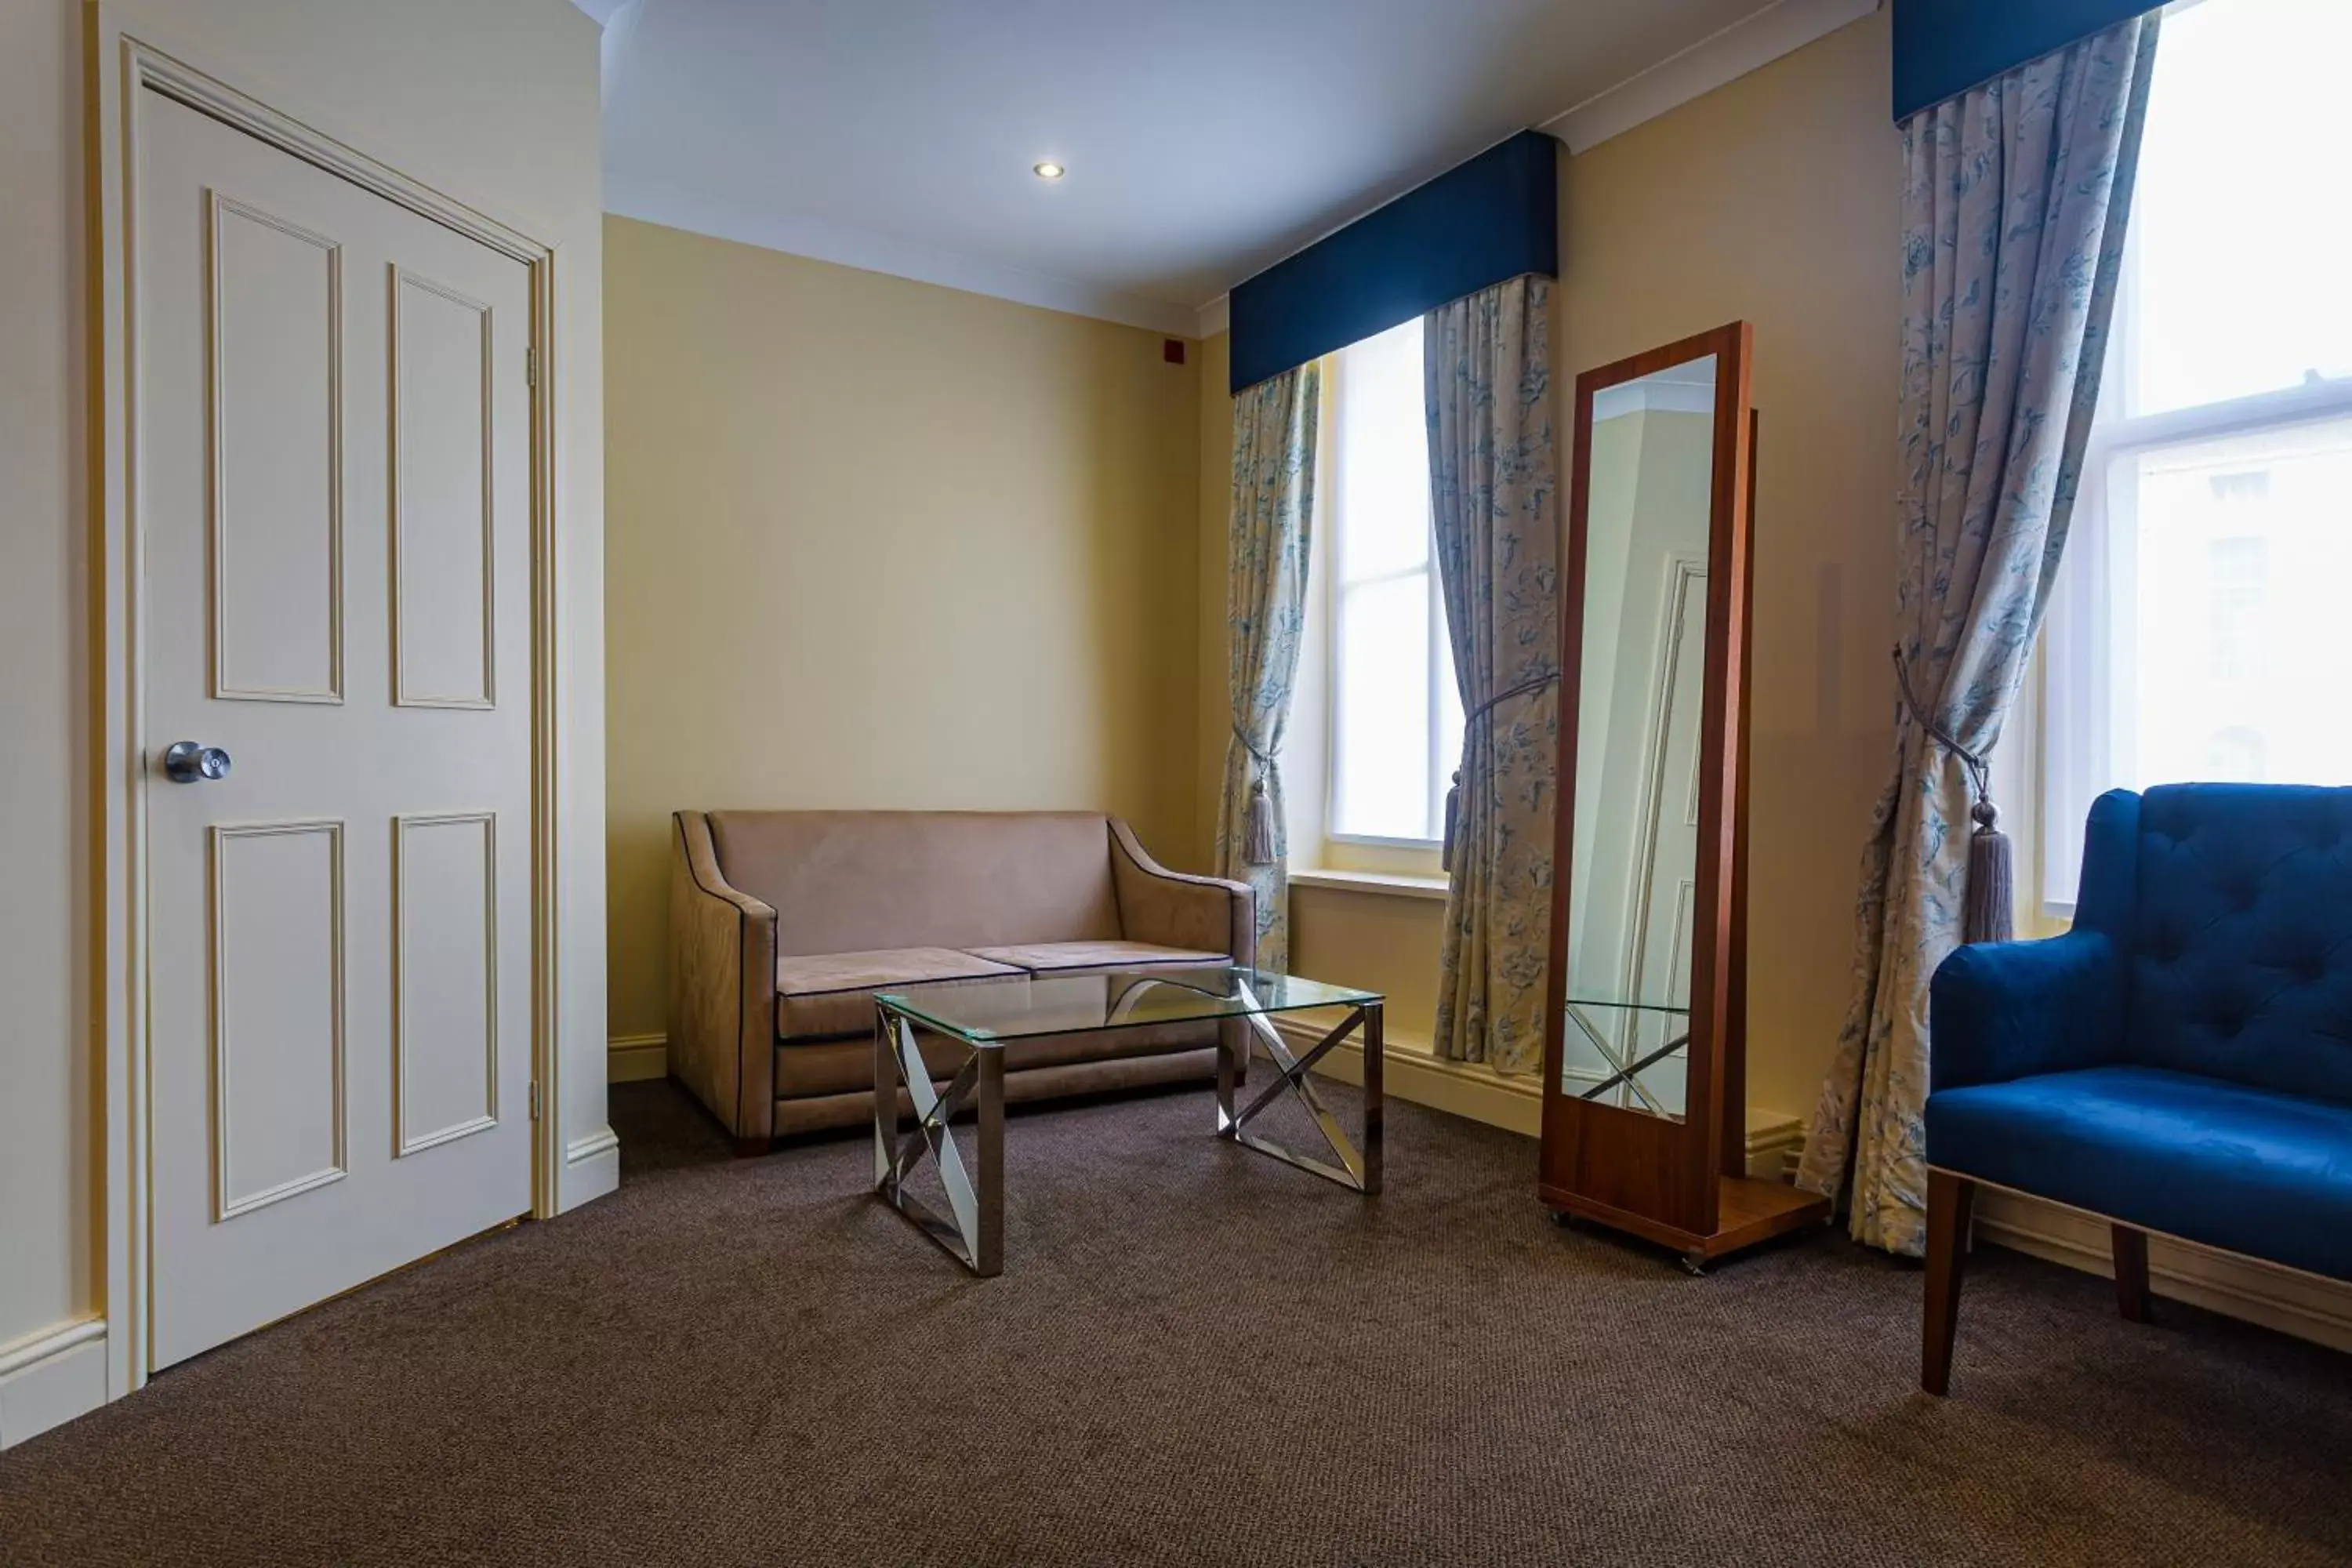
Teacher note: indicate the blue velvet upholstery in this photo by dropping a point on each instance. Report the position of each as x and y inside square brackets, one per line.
[2241, 943]
[2239, 1168]
[2182, 1060]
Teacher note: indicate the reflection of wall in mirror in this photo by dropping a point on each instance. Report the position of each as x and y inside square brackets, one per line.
[1639, 705]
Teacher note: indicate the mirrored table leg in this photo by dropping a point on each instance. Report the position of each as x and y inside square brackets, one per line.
[1357, 1169]
[973, 1229]
[1233, 1060]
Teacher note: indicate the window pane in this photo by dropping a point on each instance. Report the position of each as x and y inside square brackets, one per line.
[1381, 769]
[1383, 480]
[2238, 227]
[2239, 654]
[2196, 636]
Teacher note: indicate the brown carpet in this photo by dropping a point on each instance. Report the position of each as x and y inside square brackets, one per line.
[1195, 1356]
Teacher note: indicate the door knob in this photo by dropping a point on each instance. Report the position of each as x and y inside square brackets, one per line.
[187, 762]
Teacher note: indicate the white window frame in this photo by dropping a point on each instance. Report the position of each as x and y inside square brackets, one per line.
[2080, 629]
[1439, 673]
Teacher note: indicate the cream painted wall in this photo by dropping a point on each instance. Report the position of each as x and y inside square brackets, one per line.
[48, 1117]
[1774, 199]
[1384, 940]
[1215, 484]
[1771, 199]
[495, 103]
[880, 543]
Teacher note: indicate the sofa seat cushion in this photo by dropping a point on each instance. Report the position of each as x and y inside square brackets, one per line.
[2244, 1169]
[829, 994]
[1049, 957]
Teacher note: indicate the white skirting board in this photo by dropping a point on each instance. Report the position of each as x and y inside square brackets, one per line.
[2293, 1302]
[50, 1378]
[1515, 1104]
[1411, 1072]
[592, 1168]
[633, 1059]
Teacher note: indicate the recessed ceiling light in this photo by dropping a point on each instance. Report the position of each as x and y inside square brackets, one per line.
[1047, 171]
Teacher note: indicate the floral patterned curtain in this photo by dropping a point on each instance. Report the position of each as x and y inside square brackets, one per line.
[1487, 371]
[2015, 199]
[1266, 613]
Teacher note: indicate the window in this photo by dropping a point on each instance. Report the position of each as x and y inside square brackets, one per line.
[2196, 632]
[1396, 715]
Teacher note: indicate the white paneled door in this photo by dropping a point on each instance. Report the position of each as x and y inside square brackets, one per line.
[333, 461]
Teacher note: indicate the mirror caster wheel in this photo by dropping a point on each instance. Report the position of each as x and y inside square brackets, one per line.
[1694, 1264]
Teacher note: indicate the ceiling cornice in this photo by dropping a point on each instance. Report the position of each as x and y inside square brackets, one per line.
[1717, 60]
[650, 201]
[1651, 396]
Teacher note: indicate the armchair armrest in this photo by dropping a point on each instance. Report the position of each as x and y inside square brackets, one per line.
[1207, 914]
[2006, 1010]
[722, 986]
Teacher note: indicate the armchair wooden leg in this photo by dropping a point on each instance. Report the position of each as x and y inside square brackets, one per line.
[2131, 1275]
[1950, 1199]
[752, 1148]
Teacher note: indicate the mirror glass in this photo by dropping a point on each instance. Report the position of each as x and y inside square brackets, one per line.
[1632, 880]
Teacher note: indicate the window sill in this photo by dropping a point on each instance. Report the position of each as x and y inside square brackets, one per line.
[1385, 884]
[1374, 841]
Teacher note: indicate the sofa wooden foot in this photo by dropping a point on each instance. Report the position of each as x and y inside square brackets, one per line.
[749, 1148]
[1950, 1199]
[2132, 1295]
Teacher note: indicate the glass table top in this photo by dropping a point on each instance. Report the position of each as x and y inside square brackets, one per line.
[1022, 1006]
[1678, 1010]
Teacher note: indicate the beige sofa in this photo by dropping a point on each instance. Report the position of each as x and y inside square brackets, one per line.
[783, 924]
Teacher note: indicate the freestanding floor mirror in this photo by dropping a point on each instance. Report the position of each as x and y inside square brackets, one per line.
[1645, 1120]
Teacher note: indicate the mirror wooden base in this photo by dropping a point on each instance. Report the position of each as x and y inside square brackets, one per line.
[1748, 1211]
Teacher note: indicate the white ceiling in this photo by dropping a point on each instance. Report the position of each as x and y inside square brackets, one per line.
[1205, 141]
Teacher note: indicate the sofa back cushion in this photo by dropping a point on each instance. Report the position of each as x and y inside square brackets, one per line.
[857, 881]
[2241, 941]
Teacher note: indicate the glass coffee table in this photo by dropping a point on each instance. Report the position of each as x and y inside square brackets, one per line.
[984, 1015]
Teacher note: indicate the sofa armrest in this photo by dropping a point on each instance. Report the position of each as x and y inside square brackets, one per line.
[1207, 914]
[722, 986]
[1997, 1011]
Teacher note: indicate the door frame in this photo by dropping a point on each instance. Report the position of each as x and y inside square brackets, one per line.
[124, 58]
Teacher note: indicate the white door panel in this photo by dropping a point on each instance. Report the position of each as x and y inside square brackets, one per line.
[445, 977]
[334, 466]
[277, 1022]
[277, 467]
[444, 610]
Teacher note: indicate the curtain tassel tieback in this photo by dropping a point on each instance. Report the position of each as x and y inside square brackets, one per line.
[1257, 826]
[1453, 791]
[1257, 820]
[1987, 915]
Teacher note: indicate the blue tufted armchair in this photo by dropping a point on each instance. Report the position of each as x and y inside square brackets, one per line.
[2180, 1062]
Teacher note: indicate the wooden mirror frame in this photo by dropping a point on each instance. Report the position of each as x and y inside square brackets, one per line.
[1683, 1184]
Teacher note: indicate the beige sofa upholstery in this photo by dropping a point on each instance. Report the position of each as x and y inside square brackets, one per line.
[784, 924]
